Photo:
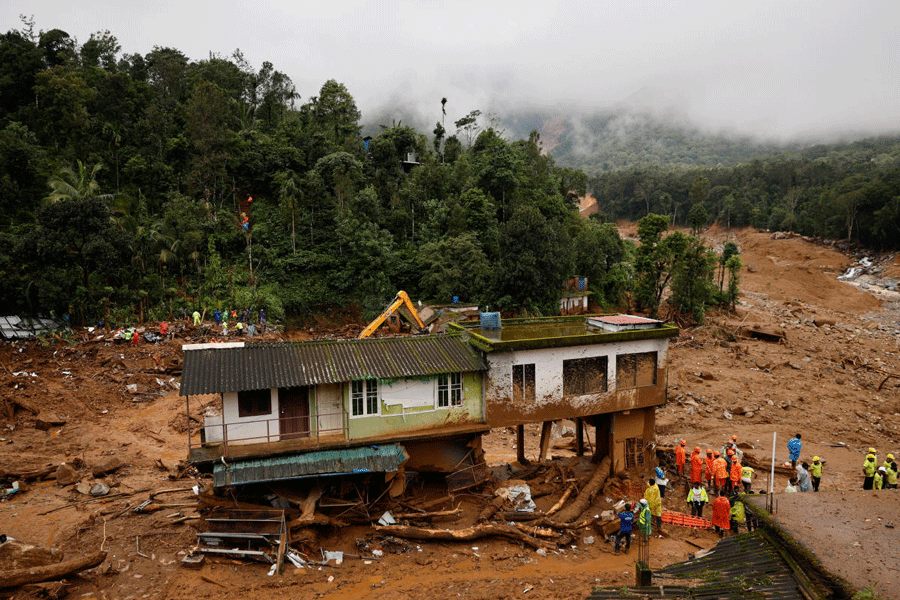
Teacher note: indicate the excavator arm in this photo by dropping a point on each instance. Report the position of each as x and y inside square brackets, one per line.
[399, 300]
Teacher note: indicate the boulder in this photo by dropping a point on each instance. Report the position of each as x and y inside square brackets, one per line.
[84, 487]
[66, 475]
[106, 465]
[100, 489]
[48, 420]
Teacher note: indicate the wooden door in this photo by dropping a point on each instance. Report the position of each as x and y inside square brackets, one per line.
[293, 412]
[329, 408]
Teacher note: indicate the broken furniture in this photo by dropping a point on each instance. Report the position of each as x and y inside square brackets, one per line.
[255, 534]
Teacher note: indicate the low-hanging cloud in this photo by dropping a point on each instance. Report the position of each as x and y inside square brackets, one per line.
[772, 69]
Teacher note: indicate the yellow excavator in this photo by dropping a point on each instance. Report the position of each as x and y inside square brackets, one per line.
[399, 300]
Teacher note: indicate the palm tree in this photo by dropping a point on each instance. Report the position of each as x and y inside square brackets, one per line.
[290, 194]
[69, 184]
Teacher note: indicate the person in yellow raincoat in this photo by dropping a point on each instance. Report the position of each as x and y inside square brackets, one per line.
[654, 501]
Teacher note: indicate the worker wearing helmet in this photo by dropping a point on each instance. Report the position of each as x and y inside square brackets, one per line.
[869, 471]
[720, 471]
[680, 458]
[697, 498]
[815, 471]
[709, 467]
[887, 462]
[878, 479]
[721, 518]
[732, 445]
[696, 466]
[644, 520]
[735, 473]
[890, 481]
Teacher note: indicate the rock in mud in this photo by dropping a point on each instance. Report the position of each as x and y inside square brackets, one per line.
[66, 475]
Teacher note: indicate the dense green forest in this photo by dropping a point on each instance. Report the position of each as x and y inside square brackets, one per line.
[840, 191]
[135, 186]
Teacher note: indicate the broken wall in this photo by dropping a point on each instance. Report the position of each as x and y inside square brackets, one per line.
[550, 402]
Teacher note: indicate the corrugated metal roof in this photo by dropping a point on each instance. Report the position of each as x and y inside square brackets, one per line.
[13, 327]
[385, 458]
[266, 365]
[627, 320]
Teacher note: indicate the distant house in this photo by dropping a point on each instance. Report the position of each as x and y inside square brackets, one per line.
[301, 409]
[574, 297]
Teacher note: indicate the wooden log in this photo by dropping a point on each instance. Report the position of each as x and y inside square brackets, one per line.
[574, 510]
[520, 445]
[546, 430]
[424, 515]
[491, 509]
[50, 572]
[556, 507]
[28, 475]
[461, 535]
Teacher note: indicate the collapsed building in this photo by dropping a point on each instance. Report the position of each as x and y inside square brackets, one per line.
[295, 410]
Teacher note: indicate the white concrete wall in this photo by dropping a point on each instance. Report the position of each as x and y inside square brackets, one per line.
[548, 366]
[241, 428]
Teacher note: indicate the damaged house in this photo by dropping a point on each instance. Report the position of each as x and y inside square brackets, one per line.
[290, 410]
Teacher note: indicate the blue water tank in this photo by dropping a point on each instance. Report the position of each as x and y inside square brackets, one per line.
[490, 320]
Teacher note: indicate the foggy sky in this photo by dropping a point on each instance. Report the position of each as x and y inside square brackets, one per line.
[775, 69]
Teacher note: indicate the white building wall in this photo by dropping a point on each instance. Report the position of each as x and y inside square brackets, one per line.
[240, 429]
[548, 366]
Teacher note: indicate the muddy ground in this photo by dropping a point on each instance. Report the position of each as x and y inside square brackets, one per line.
[830, 378]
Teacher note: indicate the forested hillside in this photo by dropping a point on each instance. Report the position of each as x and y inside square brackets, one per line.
[135, 186]
[839, 191]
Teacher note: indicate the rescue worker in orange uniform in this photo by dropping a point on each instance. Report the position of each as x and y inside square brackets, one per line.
[721, 517]
[720, 472]
[696, 466]
[736, 469]
[680, 458]
[709, 466]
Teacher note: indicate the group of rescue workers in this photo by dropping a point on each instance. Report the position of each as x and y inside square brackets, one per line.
[726, 477]
[879, 477]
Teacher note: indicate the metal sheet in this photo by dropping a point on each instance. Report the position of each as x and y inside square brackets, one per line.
[384, 458]
[273, 365]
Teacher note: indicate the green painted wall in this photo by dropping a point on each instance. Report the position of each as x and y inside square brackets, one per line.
[397, 420]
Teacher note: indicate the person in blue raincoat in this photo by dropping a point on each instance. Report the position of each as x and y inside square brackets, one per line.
[794, 446]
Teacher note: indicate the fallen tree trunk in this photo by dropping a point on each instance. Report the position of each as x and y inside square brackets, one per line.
[50, 572]
[574, 510]
[28, 475]
[461, 535]
[559, 504]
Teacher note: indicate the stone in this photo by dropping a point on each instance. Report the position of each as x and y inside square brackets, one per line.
[706, 375]
[741, 410]
[66, 475]
[84, 487]
[106, 465]
[748, 414]
[99, 489]
[48, 420]
[727, 415]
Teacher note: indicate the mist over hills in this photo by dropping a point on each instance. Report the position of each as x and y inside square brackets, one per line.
[623, 138]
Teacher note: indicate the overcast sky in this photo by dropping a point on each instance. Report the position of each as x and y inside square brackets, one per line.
[775, 68]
